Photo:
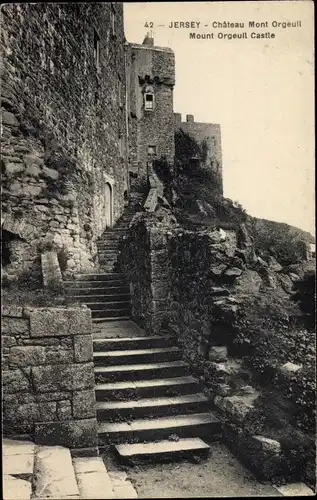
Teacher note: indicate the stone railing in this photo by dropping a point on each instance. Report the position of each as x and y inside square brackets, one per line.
[51, 272]
[48, 376]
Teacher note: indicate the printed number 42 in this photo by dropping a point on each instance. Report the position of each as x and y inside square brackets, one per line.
[149, 25]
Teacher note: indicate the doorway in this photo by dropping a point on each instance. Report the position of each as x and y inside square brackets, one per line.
[108, 204]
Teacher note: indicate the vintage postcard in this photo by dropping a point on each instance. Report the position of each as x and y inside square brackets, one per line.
[158, 249]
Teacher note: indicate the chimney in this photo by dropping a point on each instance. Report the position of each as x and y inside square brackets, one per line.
[190, 118]
[148, 40]
[177, 117]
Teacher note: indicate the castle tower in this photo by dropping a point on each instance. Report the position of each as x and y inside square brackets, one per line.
[150, 80]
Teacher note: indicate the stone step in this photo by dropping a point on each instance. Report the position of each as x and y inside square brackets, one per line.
[90, 285]
[118, 410]
[140, 371]
[93, 478]
[99, 277]
[114, 312]
[146, 388]
[165, 449]
[156, 355]
[98, 306]
[54, 475]
[101, 298]
[100, 291]
[111, 318]
[123, 343]
[194, 425]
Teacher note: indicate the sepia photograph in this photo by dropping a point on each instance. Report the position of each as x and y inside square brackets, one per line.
[158, 249]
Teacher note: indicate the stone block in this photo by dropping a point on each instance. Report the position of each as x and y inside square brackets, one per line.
[218, 353]
[53, 396]
[56, 355]
[12, 311]
[9, 119]
[8, 341]
[217, 271]
[83, 348]
[235, 408]
[70, 377]
[268, 445]
[233, 272]
[51, 173]
[64, 410]
[72, 433]
[288, 369]
[33, 171]
[16, 380]
[54, 322]
[84, 404]
[18, 464]
[54, 473]
[249, 282]
[14, 168]
[14, 488]
[21, 356]
[14, 326]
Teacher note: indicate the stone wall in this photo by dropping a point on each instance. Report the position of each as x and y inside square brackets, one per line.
[150, 69]
[64, 124]
[208, 136]
[241, 333]
[48, 376]
[143, 257]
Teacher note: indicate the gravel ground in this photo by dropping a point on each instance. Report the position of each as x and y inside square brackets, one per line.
[221, 475]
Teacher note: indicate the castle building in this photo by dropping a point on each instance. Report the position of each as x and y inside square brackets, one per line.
[151, 79]
[84, 113]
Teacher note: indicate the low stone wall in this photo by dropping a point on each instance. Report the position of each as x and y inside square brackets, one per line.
[144, 261]
[48, 376]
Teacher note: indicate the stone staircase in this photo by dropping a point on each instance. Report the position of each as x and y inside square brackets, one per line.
[39, 472]
[148, 404]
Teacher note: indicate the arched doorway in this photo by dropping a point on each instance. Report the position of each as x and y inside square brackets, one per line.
[108, 204]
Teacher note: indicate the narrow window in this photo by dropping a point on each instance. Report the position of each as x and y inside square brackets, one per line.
[151, 150]
[97, 50]
[149, 102]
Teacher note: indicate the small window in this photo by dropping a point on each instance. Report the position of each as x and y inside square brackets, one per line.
[149, 101]
[151, 150]
[97, 50]
[113, 20]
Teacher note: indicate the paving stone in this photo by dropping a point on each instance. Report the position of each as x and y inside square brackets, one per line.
[295, 490]
[54, 475]
[92, 478]
[16, 489]
[13, 447]
[15, 465]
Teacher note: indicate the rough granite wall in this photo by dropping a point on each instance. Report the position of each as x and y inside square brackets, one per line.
[150, 69]
[48, 376]
[63, 123]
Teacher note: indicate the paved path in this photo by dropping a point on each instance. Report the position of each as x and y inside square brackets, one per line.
[41, 472]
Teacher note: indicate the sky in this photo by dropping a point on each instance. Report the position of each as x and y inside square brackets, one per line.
[260, 90]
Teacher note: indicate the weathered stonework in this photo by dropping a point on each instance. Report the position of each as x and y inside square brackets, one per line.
[63, 120]
[48, 378]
